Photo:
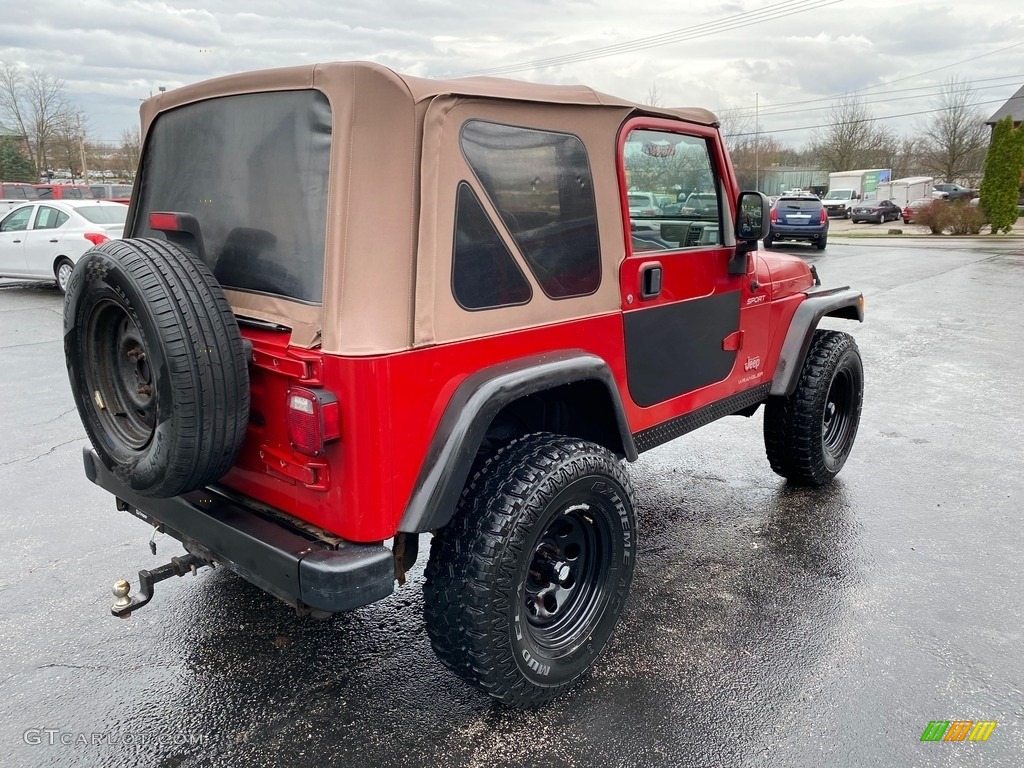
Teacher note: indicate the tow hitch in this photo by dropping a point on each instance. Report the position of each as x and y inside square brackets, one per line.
[179, 566]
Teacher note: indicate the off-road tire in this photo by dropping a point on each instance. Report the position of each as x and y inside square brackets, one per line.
[540, 501]
[809, 434]
[156, 364]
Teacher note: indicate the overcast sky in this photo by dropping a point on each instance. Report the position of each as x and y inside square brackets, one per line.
[790, 57]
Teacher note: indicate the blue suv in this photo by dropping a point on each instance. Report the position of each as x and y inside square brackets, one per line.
[798, 217]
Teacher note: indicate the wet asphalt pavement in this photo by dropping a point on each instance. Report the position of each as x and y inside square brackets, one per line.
[767, 626]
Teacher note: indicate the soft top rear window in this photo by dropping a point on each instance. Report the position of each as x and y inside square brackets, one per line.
[253, 170]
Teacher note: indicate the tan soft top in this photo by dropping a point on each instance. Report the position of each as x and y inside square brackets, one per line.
[335, 75]
[390, 136]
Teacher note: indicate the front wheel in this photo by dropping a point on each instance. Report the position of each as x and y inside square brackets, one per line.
[526, 583]
[809, 434]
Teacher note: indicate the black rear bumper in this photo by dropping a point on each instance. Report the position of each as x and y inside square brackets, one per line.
[297, 567]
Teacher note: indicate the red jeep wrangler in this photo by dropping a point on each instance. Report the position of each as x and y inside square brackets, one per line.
[354, 307]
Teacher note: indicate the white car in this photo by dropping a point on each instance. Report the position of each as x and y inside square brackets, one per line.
[44, 239]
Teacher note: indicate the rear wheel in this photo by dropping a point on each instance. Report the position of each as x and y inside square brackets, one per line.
[821, 242]
[769, 241]
[526, 583]
[156, 364]
[62, 271]
[809, 434]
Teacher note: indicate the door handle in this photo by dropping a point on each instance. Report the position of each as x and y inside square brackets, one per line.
[54, 240]
[15, 241]
[650, 280]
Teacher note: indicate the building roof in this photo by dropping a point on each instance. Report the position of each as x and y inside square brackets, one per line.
[1014, 107]
[9, 133]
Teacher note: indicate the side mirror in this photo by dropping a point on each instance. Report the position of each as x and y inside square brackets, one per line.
[752, 222]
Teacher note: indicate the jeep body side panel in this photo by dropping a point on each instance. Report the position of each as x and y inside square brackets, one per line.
[470, 412]
[833, 302]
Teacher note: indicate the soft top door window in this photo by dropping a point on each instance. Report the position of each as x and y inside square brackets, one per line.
[673, 191]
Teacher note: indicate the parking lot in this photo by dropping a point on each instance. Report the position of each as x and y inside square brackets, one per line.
[767, 625]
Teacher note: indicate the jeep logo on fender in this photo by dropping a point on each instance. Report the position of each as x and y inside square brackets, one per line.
[752, 363]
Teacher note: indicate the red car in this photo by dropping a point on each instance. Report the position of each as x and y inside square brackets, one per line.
[912, 209]
[64, 191]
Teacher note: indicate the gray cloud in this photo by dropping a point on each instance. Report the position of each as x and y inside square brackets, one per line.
[111, 53]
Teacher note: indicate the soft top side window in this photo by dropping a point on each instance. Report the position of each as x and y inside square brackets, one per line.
[540, 184]
[484, 272]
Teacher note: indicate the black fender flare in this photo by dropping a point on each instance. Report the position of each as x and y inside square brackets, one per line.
[831, 302]
[470, 412]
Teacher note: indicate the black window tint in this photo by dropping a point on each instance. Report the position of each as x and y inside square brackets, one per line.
[484, 272]
[253, 170]
[541, 186]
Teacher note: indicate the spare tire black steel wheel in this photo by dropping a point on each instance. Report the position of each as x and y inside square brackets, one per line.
[526, 583]
[156, 364]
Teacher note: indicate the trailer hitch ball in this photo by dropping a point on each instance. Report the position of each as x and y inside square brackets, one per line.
[122, 601]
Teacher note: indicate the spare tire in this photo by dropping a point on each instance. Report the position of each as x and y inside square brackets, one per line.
[157, 365]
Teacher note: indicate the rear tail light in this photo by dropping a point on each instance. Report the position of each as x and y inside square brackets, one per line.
[824, 216]
[314, 418]
[96, 238]
[774, 216]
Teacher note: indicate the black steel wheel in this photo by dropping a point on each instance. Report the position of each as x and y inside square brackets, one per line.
[809, 434]
[156, 364]
[525, 585]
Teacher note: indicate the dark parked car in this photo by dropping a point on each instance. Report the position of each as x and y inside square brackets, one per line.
[953, 192]
[878, 211]
[798, 217]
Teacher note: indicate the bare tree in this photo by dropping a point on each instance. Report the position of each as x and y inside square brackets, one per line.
[653, 96]
[34, 102]
[955, 136]
[851, 139]
[66, 147]
[131, 149]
